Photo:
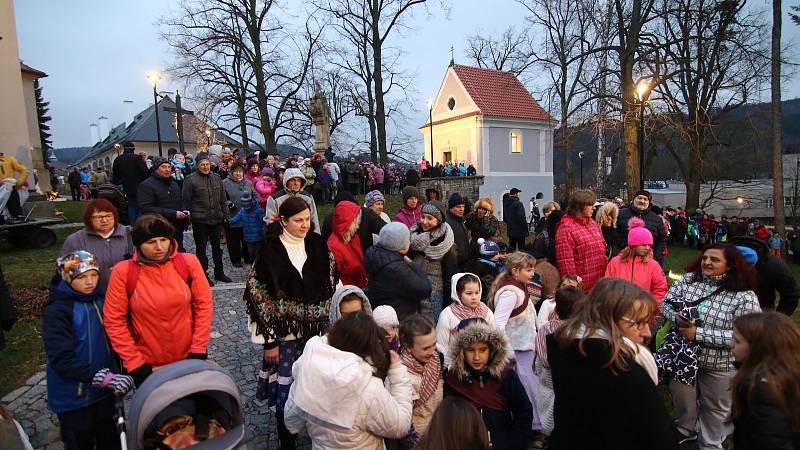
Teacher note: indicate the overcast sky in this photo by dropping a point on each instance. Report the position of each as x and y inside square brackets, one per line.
[96, 53]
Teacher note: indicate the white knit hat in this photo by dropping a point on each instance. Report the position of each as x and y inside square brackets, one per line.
[385, 315]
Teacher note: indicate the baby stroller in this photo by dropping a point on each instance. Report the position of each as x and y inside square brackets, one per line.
[111, 193]
[188, 404]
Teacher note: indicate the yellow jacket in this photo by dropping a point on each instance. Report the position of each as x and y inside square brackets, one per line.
[9, 166]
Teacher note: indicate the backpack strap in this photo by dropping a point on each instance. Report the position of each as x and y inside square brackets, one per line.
[133, 273]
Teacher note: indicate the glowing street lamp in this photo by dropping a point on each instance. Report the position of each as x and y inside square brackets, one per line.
[429, 103]
[642, 91]
[154, 77]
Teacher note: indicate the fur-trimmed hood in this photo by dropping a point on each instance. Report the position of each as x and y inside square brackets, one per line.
[478, 330]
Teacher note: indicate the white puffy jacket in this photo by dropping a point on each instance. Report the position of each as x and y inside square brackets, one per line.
[340, 404]
[448, 321]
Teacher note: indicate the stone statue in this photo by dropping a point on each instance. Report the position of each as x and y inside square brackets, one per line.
[320, 116]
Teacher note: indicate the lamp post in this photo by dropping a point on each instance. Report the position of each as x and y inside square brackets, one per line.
[642, 92]
[429, 102]
[208, 137]
[580, 158]
[154, 78]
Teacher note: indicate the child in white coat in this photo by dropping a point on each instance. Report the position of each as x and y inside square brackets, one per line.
[466, 295]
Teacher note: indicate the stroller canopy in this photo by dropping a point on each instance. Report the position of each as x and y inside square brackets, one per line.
[176, 381]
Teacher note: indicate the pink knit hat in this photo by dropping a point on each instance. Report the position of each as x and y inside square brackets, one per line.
[638, 234]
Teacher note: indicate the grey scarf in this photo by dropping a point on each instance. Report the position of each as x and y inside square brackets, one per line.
[421, 240]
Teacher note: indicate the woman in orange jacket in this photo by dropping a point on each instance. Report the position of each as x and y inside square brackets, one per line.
[635, 263]
[158, 304]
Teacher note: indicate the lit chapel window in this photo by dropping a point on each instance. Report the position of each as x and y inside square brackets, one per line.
[516, 141]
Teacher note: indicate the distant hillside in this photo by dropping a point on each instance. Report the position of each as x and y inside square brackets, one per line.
[70, 155]
[744, 150]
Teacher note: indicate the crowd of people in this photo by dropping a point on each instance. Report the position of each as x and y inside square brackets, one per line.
[421, 328]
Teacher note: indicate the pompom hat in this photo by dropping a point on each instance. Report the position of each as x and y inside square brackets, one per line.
[488, 249]
[638, 234]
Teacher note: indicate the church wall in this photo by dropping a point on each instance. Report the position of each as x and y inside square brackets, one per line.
[457, 137]
[498, 148]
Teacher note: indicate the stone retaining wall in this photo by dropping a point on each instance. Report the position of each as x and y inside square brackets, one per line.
[468, 187]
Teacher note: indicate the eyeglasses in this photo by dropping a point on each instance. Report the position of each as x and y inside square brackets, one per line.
[103, 217]
[639, 325]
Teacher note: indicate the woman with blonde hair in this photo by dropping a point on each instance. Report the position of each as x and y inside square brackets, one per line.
[482, 223]
[606, 216]
[605, 379]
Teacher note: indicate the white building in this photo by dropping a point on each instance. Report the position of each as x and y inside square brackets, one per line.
[487, 118]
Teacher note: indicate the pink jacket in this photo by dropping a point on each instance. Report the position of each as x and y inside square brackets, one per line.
[647, 275]
[264, 189]
[408, 216]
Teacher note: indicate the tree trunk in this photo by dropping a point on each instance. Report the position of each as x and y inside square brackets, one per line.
[377, 77]
[254, 31]
[569, 167]
[777, 153]
[630, 143]
[694, 176]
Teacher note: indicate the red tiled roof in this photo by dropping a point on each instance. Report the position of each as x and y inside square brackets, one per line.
[28, 69]
[499, 94]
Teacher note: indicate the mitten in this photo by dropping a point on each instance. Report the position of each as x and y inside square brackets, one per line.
[101, 378]
[121, 384]
[141, 373]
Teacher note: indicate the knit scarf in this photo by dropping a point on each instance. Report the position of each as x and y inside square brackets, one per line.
[430, 373]
[464, 312]
[421, 241]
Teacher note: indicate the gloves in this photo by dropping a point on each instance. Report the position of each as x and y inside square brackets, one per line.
[202, 356]
[121, 384]
[141, 373]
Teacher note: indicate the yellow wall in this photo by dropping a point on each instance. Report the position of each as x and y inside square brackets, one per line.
[458, 137]
[14, 132]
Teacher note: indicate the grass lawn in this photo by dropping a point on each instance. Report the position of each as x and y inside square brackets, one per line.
[23, 355]
[73, 211]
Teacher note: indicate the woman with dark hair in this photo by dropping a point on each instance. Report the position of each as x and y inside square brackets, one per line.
[339, 397]
[702, 306]
[604, 379]
[288, 300]
[158, 304]
[103, 236]
[580, 247]
[455, 424]
[765, 389]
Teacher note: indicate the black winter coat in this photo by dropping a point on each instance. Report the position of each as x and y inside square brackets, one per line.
[596, 409]
[160, 196]
[514, 217]
[129, 170]
[461, 238]
[506, 428]
[74, 179]
[393, 281]
[762, 423]
[772, 275]
[412, 177]
[652, 221]
[204, 197]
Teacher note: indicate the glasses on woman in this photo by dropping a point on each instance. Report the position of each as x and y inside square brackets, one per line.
[102, 217]
[639, 325]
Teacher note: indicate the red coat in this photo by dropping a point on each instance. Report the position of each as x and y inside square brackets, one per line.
[170, 319]
[647, 275]
[581, 250]
[345, 245]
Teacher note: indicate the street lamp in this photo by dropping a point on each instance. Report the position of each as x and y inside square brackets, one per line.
[208, 137]
[154, 78]
[642, 92]
[429, 103]
[580, 158]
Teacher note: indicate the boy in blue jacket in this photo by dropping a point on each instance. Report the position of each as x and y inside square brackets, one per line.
[252, 218]
[80, 363]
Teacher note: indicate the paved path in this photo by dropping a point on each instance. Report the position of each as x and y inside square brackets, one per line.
[230, 347]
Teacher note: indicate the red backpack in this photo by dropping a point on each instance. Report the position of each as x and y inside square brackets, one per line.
[133, 273]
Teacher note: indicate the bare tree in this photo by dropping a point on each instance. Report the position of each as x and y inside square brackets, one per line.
[777, 150]
[252, 57]
[511, 52]
[711, 62]
[366, 26]
[571, 40]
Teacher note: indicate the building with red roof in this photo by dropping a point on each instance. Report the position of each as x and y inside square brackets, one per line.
[487, 118]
